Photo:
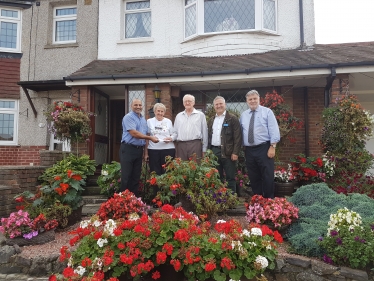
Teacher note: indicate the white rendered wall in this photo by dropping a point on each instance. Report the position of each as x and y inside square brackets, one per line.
[168, 27]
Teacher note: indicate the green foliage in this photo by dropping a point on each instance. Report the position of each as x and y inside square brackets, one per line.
[81, 165]
[316, 202]
[57, 212]
[110, 178]
[346, 126]
[199, 179]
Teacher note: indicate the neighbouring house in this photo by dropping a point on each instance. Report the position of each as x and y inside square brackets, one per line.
[58, 38]
[126, 49]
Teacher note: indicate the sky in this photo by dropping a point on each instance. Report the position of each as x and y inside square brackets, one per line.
[344, 21]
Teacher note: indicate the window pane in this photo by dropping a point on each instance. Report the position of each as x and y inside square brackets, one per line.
[7, 104]
[65, 12]
[235, 99]
[269, 14]
[9, 13]
[138, 25]
[8, 35]
[137, 92]
[190, 18]
[226, 15]
[187, 2]
[66, 30]
[137, 5]
[6, 126]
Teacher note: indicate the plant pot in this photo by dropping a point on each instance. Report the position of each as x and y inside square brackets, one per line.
[187, 205]
[75, 216]
[303, 182]
[167, 273]
[282, 189]
[40, 239]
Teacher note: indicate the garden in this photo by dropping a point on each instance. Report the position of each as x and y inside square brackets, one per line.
[177, 229]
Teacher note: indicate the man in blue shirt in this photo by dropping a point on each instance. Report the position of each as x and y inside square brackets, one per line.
[132, 147]
[260, 137]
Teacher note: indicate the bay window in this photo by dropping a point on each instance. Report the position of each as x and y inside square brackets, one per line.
[217, 16]
[8, 122]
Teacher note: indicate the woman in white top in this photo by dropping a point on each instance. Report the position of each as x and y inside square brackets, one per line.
[162, 128]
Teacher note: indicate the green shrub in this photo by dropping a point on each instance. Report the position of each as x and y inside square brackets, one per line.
[316, 202]
[81, 165]
[110, 178]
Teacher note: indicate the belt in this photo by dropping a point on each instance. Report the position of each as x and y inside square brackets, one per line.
[216, 146]
[261, 144]
[133, 145]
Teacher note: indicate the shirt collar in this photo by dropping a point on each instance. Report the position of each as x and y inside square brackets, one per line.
[223, 114]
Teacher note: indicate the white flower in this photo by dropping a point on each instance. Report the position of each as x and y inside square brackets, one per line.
[236, 245]
[252, 244]
[256, 231]
[222, 236]
[84, 224]
[80, 270]
[246, 233]
[133, 217]
[263, 261]
[104, 172]
[70, 262]
[97, 262]
[110, 226]
[97, 223]
[221, 221]
[101, 242]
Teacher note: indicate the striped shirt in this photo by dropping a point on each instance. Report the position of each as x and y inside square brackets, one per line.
[191, 127]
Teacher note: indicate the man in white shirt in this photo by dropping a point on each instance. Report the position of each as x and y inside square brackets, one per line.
[225, 140]
[191, 130]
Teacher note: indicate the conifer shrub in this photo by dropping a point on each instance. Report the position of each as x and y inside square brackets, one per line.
[316, 202]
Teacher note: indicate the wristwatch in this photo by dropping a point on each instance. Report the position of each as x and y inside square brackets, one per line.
[274, 145]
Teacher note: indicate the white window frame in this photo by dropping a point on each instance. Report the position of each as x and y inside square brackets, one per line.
[13, 111]
[126, 12]
[259, 20]
[63, 18]
[17, 21]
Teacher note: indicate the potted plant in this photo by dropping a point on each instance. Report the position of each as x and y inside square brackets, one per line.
[19, 228]
[307, 169]
[142, 246]
[278, 213]
[284, 181]
[194, 181]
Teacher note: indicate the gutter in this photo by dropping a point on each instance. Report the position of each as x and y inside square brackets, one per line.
[214, 73]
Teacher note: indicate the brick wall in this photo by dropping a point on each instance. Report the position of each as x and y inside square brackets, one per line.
[165, 99]
[48, 158]
[9, 76]
[20, 155]
[15, 180]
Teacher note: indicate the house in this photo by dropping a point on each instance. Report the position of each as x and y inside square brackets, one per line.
[200, 47]
[58, 38]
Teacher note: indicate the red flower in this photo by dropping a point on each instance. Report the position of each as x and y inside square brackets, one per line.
[278, 237]
[153, 181]
[76, 177]
[156, 275]
[121, 246]
[161, 257]
[210, 266]
[167, 208]
[52, 278]
[181, 235]
[176, 264]
[69, 173]
[57, 178]
[168, 248]
[68, 272]
[19, 199]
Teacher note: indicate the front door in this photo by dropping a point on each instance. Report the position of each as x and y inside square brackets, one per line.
[117, 111]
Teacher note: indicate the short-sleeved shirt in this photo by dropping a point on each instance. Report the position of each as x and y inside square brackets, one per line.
[132, 121]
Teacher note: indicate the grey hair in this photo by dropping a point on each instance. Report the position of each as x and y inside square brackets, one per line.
[219, 98]
[160, 105]
[189, 96]
[252, 92]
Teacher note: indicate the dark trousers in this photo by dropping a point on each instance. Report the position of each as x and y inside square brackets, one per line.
[260, 170]
[157, 159]
[226, 165]
[131, 167]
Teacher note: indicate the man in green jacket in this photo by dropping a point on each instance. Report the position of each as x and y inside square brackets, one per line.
[225, 140]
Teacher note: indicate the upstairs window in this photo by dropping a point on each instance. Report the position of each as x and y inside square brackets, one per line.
[10, 30]
[65, 25]
[217, 16]
[137, 19]
[8, 122]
